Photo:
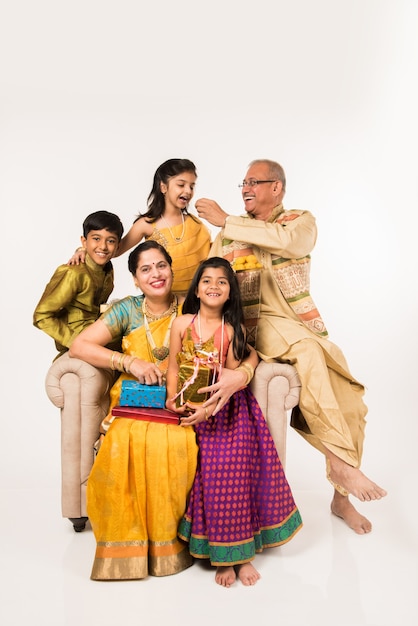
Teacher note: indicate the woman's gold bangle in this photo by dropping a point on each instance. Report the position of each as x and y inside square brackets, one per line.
[127, 364]
[112, 361]
[119, 365]
[121, 359]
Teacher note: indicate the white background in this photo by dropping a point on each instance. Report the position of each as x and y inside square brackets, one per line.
[95, 95]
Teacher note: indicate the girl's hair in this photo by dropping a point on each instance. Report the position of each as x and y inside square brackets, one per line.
[168, 169]
[232, 309]
[150, 244]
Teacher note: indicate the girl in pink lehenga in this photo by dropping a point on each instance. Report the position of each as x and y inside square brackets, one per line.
[240, 502]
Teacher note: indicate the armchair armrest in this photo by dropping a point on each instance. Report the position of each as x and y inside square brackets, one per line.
[81, 392]
[96, 383]
[276, 387]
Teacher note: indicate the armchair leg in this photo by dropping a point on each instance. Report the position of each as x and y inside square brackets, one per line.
[79, 523]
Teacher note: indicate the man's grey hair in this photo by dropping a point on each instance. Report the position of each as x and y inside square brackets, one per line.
[276, 172]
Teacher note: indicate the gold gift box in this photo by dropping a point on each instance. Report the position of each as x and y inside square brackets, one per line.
[203, 379]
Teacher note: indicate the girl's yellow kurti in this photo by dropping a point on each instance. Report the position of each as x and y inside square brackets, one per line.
[139, 485]
[193, 247]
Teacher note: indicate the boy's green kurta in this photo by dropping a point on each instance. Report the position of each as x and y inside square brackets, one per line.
[71, 300]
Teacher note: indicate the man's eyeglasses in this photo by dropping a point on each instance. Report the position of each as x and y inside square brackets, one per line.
[254, 183]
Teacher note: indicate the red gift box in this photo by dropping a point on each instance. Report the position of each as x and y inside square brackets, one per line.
[149, 414]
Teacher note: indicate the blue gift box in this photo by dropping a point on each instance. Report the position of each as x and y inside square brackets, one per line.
[135, 394]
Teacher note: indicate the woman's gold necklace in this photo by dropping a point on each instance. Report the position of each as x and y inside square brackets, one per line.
[157, 316]
[161, 353]
[171, 232]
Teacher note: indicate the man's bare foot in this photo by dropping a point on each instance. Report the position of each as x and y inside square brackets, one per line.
[247, 574]
[225, 576]
[342, 507]
[350, 480]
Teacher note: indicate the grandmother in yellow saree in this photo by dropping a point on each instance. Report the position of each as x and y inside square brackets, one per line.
[139, 485]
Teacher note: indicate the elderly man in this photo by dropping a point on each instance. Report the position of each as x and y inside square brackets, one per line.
[270, 249]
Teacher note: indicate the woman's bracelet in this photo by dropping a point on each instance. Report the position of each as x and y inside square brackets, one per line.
[127, 364]
[249, 371]
[119, 365]
[121, 359]
[112, 361]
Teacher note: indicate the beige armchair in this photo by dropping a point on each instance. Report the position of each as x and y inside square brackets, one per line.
[81, 392]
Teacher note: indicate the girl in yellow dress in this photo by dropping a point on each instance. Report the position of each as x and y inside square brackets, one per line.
[168, 221]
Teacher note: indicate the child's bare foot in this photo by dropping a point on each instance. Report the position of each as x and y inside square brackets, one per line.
[247, 574]
[350, 480]
[342, 507]
[225, 576]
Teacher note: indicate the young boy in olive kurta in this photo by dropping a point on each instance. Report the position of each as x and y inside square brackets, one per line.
[72, 298]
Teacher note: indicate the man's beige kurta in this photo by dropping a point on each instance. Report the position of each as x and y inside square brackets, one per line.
[332, 412]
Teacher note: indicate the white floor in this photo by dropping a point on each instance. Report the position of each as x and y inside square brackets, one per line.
[89, 107]
[326, 575]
